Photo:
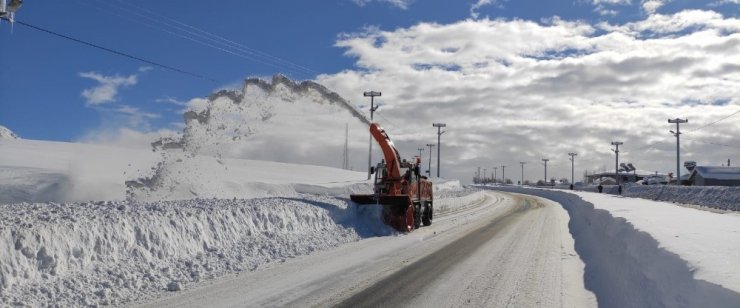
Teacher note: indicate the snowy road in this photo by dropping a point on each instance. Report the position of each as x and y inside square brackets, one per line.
[508, 250]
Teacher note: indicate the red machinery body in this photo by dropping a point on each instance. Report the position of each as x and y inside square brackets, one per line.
[406, 197]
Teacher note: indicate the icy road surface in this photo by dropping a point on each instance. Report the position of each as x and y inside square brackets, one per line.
[507, 250]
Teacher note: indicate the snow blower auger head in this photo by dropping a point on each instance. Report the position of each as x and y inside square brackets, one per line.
[405, 195]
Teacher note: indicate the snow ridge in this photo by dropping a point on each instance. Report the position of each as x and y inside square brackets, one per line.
[6, 133]
[117, 252]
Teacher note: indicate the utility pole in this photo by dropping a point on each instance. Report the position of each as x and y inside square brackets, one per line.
[477, 175]
[372, 95]
[677, 133]
[439, 145]
[494, 174]
[545, 160]
[616, 163]
[522, 163]
[430, 145]
[420, 150]
[503, 174]
[484, 175]
[572, 162]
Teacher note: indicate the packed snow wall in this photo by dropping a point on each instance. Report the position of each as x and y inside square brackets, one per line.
[626, 267]
[87, 254]
[716, 197]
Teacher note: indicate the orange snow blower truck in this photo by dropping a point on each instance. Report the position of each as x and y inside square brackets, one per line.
[405, 195]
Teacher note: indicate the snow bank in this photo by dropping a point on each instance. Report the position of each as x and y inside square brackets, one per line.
[116, 252]
[717, 197]
[627, 267]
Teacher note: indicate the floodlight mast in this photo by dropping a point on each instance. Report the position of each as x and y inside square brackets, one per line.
[439, 145]
[372, 95]
[616, 163]
[677, 133]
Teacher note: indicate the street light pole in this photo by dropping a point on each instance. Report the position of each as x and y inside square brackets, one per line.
[545, 160]
[522, 163]
[572, 162]
[616, 163]
[430, 145]
[439, 145]
[494, 174]
[372, 95]
[503, 174]
[677, 133]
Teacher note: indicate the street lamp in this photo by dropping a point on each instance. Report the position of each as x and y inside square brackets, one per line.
[522, 163]
[429, 170]
[372, 95]
[439, 145]
[545, 160]
[503, 174]
[572, 162]
[616, 163]
[677, 133]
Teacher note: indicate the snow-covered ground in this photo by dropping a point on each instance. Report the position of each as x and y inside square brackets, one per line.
[143, 222]
[648, 253]
[709, 242]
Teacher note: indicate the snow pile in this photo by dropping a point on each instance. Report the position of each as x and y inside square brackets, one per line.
[115, 252]
[717, 197]
[641, 253]
[6, 133]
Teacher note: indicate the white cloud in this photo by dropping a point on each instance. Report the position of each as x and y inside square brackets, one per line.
[106, 89]
[516, 90]
[476, 6]
[171, 100]
[650, 6]
[402, 4]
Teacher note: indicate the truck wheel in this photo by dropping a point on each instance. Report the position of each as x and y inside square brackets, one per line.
[417, 216]
[428, 214]
[409, 219]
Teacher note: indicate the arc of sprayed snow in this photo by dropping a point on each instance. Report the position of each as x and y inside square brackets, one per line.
[269, 87]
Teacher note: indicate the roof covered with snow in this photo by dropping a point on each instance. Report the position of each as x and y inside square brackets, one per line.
[719, 173]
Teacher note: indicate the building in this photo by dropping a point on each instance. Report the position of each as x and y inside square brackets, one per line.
[715, 176]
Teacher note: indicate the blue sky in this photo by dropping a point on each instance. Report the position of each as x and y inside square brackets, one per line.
[41, 93]
[514, 80]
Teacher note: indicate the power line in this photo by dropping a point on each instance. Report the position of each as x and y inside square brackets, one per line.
[712, 123]
[713, 143]
[255, 51]
[182, 30]
[167, 67]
